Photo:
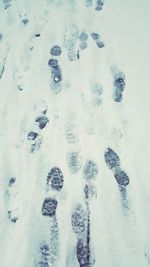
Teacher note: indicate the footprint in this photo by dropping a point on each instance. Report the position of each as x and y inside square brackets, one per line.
[52, 63]
[74, 161]
[12, 181]
[99, 4]
[24, 18]
[83, 253]
[49, 251]
[55, 179]
[42, 121]
[83, 40]
[118, 84]
[71, 131]
[56, 50]
[13, 207]
[49, 207]
[90, 191]
[45, 255]
[35, 137]
[90, 169]
[78, 220]
[56, 74]
[97, 38]
[81, 227]
[35, 141]
[96, 94]
[70, 42]
[121, 178]
[32, 135]
[112, 160]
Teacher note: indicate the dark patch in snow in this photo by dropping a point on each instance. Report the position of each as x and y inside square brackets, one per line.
[122, 178]
[12, 181]
[56, 50]
[111, 158]
[55, 178]
[53, 63]
[49, 207]
[32, 135]
[42, 121]
[83, 254]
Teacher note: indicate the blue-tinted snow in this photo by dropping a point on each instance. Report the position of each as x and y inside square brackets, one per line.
[81, 115]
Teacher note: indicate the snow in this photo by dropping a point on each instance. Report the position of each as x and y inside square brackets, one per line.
[81, 119]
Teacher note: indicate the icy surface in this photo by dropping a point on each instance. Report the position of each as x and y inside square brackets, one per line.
[74, 135]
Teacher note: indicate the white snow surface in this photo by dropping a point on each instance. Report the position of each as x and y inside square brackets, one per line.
[119, 237]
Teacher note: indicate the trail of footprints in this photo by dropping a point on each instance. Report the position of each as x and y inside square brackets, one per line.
[13, 204]
[34, 136]
[80, 217]
[56, 73]
[112, 160]
[75, 42]
[49, 251]
[97, 4]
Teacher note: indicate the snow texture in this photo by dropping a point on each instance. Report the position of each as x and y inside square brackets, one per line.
[74, 135]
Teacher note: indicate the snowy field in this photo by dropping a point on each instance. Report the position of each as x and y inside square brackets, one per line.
[74, 135]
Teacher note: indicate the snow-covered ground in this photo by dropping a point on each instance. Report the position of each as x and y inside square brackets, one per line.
[74, 135]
